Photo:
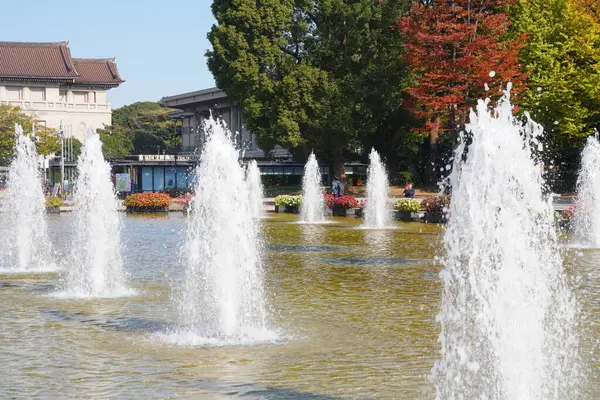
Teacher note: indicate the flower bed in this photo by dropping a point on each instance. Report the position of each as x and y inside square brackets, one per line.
[184, 200]
[288, 204]
[340, 205]
[53, 204]
[147, 202]
[436, 208]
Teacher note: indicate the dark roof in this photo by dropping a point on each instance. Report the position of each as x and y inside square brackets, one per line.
[97, 71]
[52, 61]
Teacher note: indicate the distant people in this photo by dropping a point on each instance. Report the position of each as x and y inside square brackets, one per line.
[409, 192]
[336, 187]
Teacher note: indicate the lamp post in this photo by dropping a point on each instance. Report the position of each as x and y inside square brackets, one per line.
[62, 160]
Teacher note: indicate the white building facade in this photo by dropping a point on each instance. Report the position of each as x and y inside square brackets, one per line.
[47, 83]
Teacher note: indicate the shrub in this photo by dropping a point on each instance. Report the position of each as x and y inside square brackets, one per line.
[407, 205]
[288, 201]
[52, 202]
[147, 200]
[405, 177]
[437, 204]
[346, 201]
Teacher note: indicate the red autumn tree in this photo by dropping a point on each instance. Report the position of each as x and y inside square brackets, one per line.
[452, 47]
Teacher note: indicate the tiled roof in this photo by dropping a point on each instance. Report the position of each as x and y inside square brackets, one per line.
[52, 61]
[36, 60]
[97, 71]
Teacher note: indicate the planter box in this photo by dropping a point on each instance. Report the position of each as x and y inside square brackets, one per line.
[53, 210]
[435, 218]
[286, 209]
[339, 211]
[403, 215]
[147, 210]
[359, 212]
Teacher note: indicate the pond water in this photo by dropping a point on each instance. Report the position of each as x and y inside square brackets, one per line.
[355, 310]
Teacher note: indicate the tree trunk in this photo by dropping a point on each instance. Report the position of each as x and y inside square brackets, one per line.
[338, 166]
[431, 170]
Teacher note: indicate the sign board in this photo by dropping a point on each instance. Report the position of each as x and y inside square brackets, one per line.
[123, 182]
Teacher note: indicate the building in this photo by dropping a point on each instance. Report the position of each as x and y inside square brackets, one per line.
[46, 82]
[194, 107]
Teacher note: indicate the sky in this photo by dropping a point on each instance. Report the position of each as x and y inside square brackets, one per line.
[158, 46]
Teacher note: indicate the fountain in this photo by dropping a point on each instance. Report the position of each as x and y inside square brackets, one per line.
[586, 224]
[507, 315]
[255, 188]
[377, 211]
[96, 268]
[312, 209]
[222, 300]
[25, 243]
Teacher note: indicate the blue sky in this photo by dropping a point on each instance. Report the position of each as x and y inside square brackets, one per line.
[159, 45]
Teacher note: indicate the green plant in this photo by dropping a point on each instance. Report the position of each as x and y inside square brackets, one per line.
[53, 202]
[408, 205]
[288, 201]
[405, 177]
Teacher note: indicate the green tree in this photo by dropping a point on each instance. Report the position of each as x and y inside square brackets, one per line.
[304, 72]
[115, 142]
[47, 141]
[562, 58]
[144, 129]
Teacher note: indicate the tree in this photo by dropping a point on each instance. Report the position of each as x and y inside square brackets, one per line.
[47, 142]
[115, 142]
[562, 58]
[304, 71]
[141, 128]
[455, 48]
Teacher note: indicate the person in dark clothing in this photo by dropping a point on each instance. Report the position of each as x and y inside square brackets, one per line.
[336, 187]
[409, 192]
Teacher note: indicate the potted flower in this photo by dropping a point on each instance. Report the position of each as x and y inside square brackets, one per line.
[288, 204]
[360, 208]
[567, 217]
[436, 208]
[339, 205]
[147, 203]
[185, 201]
[53, 204]
[405, 207]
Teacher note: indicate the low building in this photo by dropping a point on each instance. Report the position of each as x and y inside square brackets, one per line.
[46, 82]
[195, 107]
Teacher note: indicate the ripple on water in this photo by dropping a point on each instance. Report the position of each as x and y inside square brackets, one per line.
[192, 338]
[108, 294]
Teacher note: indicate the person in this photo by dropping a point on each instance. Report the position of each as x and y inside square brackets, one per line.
[409, 192]
[336, 187]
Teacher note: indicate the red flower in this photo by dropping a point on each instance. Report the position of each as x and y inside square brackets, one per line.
[147, 200]
[342, 201]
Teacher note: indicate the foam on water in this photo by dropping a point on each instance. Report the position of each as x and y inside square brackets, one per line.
[312, 209]
[586, 224]
[25, 245]
[222, 299]
[377, 212]
[508, 316]
[96, 265]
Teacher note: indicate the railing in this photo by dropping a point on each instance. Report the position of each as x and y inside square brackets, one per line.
[56, 105]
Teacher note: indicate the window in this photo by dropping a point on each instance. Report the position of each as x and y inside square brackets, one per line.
[14, 93]
[38, 94]
[94, 98]
[147, 178]
[62, 95]
[80, 97]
